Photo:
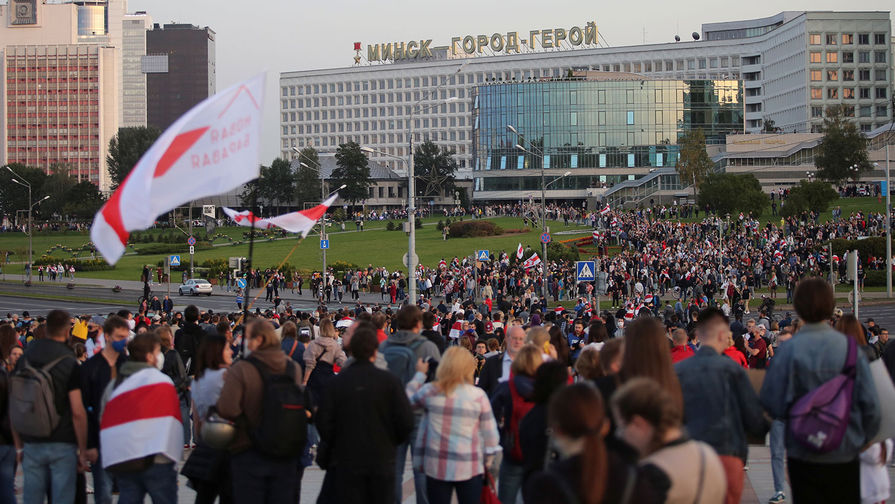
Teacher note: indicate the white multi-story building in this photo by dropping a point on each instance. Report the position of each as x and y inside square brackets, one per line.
[133, 103]
[793, 65]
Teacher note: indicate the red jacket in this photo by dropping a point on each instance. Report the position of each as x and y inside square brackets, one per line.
[679, 353]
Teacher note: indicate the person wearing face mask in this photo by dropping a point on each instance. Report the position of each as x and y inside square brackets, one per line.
[141, 435]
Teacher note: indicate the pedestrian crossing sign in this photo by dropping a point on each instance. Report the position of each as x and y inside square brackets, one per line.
[586, 271]
[174, 260]
[482, 255]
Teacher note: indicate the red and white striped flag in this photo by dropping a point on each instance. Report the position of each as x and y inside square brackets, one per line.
[531, 262]
[605, 210]
[211, 149]
[142, 418]
[295, 222]
[456, 329]
[442, 264]
[519, 251]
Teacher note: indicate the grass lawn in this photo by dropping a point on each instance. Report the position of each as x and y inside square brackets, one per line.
[374, 246]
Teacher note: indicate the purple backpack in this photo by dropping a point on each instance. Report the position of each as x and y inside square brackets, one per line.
[819, 419]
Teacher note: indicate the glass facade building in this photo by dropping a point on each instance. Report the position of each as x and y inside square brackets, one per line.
[602, 131]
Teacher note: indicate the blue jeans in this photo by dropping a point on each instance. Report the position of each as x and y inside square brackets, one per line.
[102, 483]
[509, 482]
[7, 474]
[159, 481]
[778, 454]
[49, 466]
[419, 477]
[185, 415]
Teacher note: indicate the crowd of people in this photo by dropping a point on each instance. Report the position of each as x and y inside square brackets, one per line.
[556, 406]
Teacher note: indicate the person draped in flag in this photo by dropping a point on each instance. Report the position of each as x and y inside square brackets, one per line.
[141, 435]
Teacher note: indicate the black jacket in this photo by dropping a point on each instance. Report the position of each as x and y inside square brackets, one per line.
[95, 377]
[436, 338]
[186, 342]
[491, 372]
[175, 370]
[364, 417]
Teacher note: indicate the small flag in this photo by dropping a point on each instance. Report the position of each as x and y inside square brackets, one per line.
[519, 251]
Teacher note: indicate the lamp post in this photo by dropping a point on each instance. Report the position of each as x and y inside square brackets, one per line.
[322, 199]
[411, 188]
[25, 183]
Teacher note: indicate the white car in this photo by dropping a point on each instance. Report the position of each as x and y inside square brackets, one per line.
[194, 287]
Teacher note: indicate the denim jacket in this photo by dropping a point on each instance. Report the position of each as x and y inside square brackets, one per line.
[720, 405]
[814, 355]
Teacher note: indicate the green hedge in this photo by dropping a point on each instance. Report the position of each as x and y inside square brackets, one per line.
[875, 247]
[474, 229]
[79, 264]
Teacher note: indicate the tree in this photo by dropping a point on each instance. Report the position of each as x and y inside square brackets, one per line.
[56, 186]
[809, 196]
[250, 194]
[433, 170]
[353, 171]
[83, 200]
[729, 193]
[694, 163]
[277, 182]
[307, 177]
[126, 148]
[770, 126]
[842, 148]
[14, 197]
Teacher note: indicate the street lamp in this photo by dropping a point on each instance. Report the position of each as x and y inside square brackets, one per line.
[544, 185]
[25, 183]
[411, 186]
[322, 199]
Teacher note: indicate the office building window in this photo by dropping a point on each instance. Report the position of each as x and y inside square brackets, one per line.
[630, 160]
[879, 38]
[602, 160]
[831, 39]
[864, 57]
[848, 75]
[817, 111]
[864, 75]
[882, 111]
[816, 76]
[817, 93]
[879, 57]
[864, 93]
[865, 110]
[814, 39]
[832, 57]
[881, 92]
[863, 39]
[848, 93]
[832, 75]
[848, 57]
[848, 39]
[881, 75]
[832, 93]
[630, 117]
[814, 57]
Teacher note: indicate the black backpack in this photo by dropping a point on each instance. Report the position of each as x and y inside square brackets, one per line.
[283, 430]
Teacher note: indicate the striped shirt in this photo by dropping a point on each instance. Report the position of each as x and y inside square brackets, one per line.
[456, 432]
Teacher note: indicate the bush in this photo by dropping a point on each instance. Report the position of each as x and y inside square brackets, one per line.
[875, 247]
[474, 229]
[439, 226]
[342, 266]
[390, 226]
[168, 248]
[79, 264]
[560, 252]
[418, 223]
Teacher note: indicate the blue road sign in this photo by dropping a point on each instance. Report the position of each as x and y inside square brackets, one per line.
[191, 241]
[174, 260]
[324, 244]
[586, 271]
[241, 283]
[545, 238]
[482, 255]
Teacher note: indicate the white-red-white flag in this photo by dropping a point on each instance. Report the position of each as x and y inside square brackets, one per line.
[519, 251]
[294, 222]
[605, 210]
[142, 418]
[532, 261]
[211, 149]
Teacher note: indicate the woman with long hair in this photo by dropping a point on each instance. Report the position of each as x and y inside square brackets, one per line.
[212, 360]
[676, 469]
[458, 436]
[321, 356]
[851, 327]
[586, 472]
[8, 341]
[560, 343]
[647, 355]
[597, 334]
[735, 353]
[550, 377]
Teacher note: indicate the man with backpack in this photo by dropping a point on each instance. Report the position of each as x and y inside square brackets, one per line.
[188, 338]
[362, 458]
[820, 370]
[48, 416]
[402, 350]
[141, 434]
[263, 395]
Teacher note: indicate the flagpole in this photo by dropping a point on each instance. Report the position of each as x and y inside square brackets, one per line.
[245, 299]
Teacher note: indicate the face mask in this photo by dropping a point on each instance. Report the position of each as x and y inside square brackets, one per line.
[119, 346]
[159, 361]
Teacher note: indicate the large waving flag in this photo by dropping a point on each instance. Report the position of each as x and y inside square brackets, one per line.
[531, 262]
[212, 149]
[142, 418]
[295, 222]
[519, 251]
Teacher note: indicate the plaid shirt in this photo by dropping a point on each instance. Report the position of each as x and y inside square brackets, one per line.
[456, 432]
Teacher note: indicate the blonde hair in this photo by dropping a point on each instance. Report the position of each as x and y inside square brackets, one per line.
[539, 337]
[527, 361]
[264, 330]
[327, 330]
[457, 367]
[588, 364]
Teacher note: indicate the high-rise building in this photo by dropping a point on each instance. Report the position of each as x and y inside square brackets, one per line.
[180, 70]
[133, 102]
[793, 66]
[60, 85]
